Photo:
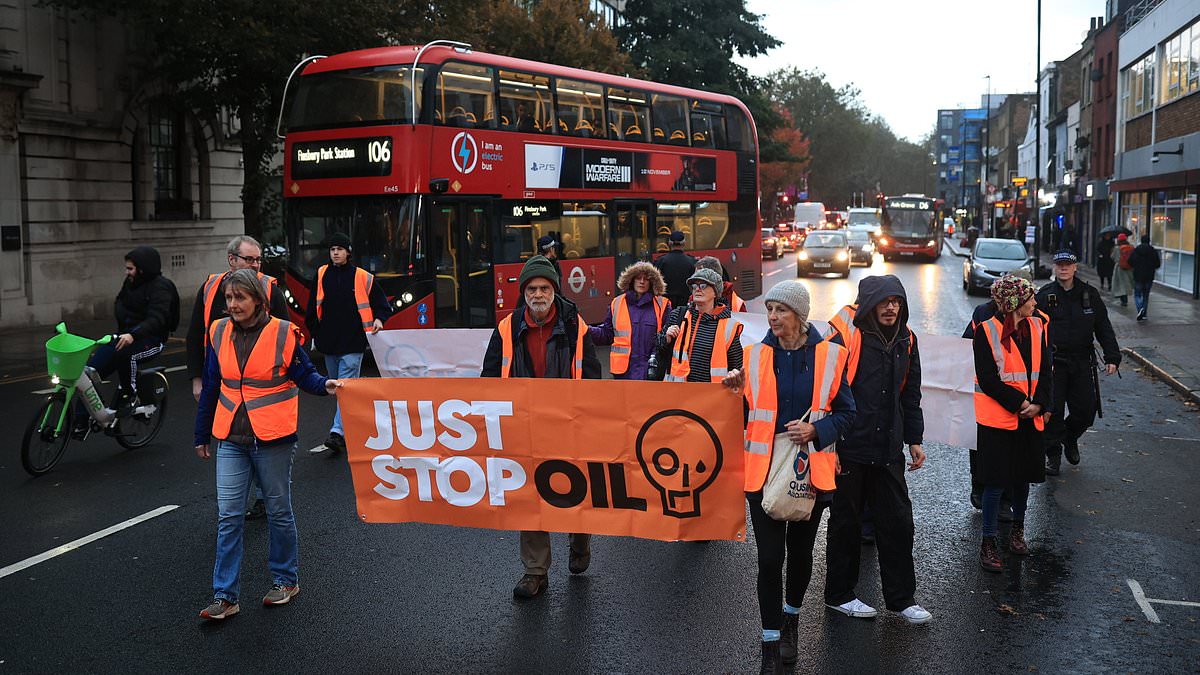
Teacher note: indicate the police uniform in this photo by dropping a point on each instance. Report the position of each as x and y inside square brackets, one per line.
[1077, 318]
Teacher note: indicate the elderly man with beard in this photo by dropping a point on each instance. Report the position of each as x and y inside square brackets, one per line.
[543, 337]
[884, 372]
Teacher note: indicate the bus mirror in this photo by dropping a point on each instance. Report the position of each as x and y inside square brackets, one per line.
[439, 185]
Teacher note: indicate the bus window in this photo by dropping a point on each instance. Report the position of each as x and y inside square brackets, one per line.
[522, 224]
[712, 226]
[386, 240]
[628, 115]
[708, 125]
[464, 96]
[669, 217]
[580, 109]
[584, 230]
[670, 120]
[352, 98]
[741, 134]
[525, 103]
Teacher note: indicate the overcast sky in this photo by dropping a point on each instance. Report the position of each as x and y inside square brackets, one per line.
[911, 58]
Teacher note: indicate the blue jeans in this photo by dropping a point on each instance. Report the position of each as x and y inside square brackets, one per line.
[338, 366]
[1141, 295]
[271, 468]
[991, 506]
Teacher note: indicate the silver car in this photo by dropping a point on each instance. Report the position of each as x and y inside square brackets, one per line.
[992, 259]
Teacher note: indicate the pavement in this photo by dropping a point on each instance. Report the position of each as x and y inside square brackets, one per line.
[1164, 344]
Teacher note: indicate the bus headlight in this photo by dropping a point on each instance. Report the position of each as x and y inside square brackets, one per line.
[931, 243]
[883, 241]
[407, 297]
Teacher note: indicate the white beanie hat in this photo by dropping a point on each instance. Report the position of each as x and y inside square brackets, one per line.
[793, 294]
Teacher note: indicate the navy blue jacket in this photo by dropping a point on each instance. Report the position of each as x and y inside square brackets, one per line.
[794, 390]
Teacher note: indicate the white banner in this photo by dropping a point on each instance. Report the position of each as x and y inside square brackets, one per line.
[947, 368]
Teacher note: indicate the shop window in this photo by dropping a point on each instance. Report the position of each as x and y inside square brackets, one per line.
[581, 109]
[628, 115]
[465, 97]
[525, 103]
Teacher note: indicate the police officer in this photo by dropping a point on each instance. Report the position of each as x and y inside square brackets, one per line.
[1077, 317]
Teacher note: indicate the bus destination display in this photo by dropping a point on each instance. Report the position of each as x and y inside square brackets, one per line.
[342, 158]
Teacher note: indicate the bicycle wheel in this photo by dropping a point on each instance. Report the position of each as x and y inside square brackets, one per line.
[41, 448]
[137, 430]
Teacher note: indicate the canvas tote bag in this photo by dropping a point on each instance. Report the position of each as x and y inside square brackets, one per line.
[787, 494]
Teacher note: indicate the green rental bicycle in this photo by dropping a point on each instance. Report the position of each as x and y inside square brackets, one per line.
[54, 424]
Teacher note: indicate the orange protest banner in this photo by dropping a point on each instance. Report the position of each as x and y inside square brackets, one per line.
[611, 457]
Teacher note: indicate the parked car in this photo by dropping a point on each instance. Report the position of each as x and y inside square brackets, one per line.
[824, 252]
[772, 244]
[991, 259]
[862, 247]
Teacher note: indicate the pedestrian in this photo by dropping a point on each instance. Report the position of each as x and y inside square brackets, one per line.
[344, 306]
[146, 310]
[251, 409]
[548, 246]
[1144, 262]
[794, 385]
[704, 338]
[676, 267]
[544, 337]
[1077, 320]
[1104, 260]
[728, 295]
[1122, 284]
[1013, 382]
[634, 320]
[242, 252]
[884, 372]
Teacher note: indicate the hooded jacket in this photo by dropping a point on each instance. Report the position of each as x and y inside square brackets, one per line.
[644, 329]
[143, 305]
[887, 386]
[1144, 260]
[559, 350]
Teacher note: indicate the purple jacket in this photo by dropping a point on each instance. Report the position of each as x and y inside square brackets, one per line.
[645, 328]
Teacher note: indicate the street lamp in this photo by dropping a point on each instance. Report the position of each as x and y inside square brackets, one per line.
[987, 141]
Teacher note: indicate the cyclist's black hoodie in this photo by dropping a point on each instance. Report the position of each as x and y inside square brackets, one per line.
[143, 307]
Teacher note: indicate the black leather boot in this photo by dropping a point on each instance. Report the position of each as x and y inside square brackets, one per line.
[788, 637]
[772, 662]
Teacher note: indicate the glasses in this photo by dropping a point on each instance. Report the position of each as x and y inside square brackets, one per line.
[250, 259]
[698, 285]
[891, 302]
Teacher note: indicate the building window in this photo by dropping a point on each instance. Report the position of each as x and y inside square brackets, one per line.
[1180, 64]
[1137, 87]
[169, 163]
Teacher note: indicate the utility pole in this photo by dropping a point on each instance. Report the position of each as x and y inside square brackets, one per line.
[987, 142]
[1037, 150]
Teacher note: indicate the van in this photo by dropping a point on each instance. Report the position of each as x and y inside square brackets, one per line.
[809, 215]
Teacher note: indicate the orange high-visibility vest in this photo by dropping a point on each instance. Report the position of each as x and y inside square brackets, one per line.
[842, 324]
[263, 387]
[736, 304]
[363, 280]
[1011, 367]
[727, 331]
[213, 284]
[829, 365]
[506, 348]
[618, 355]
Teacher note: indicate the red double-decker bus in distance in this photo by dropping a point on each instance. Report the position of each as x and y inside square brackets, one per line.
[910, 227]
[445, 194]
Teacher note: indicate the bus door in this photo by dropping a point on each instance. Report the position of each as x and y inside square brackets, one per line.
[462, 251]
[632, 235]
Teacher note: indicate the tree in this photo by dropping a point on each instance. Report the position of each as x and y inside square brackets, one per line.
[778, 176]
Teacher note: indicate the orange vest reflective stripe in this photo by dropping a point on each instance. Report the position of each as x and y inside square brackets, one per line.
[1011, 368]
[736, 304]
[263, 387]
[506, 348]
[618, 355]
[727, 331]
[213, 284]
[363, 280]
[829, 361]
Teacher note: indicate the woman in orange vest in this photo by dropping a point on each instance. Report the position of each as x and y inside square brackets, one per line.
[634, 319]
[795, 384]
[705, 339]
[254, 369]
[1012, 389]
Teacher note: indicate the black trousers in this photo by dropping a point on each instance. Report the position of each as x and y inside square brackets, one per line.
[882, 488]
[1074, 394]
[777, 539]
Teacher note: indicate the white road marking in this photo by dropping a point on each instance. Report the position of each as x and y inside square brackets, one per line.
[175, 369]
[1140, 597]
[773, 272]
[68, 547]
[1180, 438]
[39, 392]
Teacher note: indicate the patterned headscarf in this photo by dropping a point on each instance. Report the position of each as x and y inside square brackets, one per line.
[1010, 292]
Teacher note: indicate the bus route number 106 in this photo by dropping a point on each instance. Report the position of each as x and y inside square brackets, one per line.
[379, 151]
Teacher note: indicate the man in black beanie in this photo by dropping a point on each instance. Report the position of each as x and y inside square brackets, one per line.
[543, 337]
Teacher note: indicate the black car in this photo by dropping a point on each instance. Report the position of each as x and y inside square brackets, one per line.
[862, 247]
[824, 252]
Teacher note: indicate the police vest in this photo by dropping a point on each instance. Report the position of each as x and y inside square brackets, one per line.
[213, 285]
[829, 365]
[263, 386]
[1011, 367]
[363, 280]
[727, 331]
[618, 356]
[506, 348]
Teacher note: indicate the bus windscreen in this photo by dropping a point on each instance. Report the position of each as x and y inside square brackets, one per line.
[910, 218]
[351, 98]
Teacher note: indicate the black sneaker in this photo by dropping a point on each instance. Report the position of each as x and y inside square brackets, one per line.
[1052, 468]
[256, 511]
[336, 442]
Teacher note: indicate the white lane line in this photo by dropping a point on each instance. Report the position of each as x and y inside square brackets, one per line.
[1140, 598]
[1180, 438]
[175, 369]
[773, 272]
[39, 392]
[84, 541]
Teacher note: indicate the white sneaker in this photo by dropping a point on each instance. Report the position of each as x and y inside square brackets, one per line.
[856, 608]
[916, 614]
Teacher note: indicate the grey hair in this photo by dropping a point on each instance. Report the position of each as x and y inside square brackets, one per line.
[246, 281]
[235, 244]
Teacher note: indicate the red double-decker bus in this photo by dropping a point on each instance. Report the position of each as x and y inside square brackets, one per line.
[445, 194]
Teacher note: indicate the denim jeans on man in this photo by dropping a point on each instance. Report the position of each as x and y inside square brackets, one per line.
[341, 366]
[1141, 295]
[272, 470]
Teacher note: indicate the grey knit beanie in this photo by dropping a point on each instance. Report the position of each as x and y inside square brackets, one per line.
[793, 294]
[538, 266]
[709, 277]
